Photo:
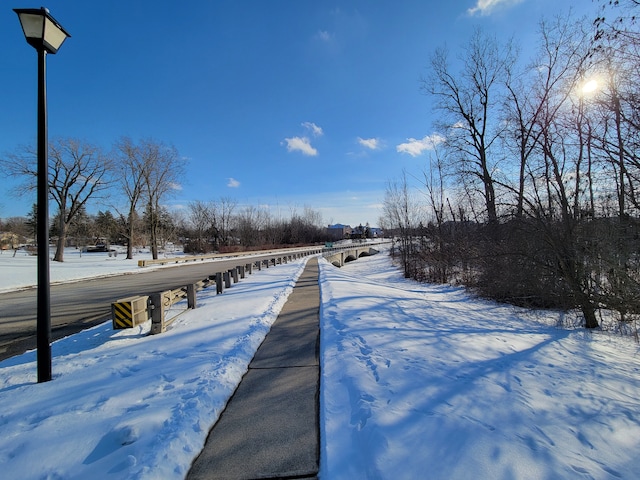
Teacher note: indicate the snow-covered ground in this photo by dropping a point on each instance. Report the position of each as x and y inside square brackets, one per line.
[418, 381]
[20, 270]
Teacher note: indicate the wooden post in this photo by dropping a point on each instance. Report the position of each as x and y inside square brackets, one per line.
[157, 313]
[227, 279]
[219, 284]
[191, 296]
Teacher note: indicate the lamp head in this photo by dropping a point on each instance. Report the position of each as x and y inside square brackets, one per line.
[40, 29]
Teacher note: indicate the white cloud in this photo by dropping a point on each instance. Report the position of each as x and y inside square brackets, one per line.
[486, 7]
[325, 36]
[313, 128]
[415, 147]
[301, 144]
[233, 183]
[370, 143]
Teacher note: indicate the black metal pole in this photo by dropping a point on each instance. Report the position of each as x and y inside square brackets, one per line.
[43, 327]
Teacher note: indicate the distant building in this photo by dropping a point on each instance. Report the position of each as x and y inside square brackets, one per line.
[338, 231]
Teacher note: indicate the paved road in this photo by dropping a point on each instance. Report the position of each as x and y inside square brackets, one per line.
[79, 305]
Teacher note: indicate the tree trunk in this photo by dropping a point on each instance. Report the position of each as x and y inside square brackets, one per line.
[589, 312]
[62, 239]
[154, 232]
[130, 230]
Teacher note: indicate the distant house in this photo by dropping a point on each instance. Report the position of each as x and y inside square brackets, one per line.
[366, 232]
[338, 231]
[359, 232]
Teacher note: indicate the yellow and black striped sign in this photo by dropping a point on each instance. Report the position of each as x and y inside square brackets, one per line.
[122, 315]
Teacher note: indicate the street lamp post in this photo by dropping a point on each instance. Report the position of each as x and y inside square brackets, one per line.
[45, 35]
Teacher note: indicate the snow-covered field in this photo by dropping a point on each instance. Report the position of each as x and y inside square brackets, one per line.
[418, 381]
[21, 270]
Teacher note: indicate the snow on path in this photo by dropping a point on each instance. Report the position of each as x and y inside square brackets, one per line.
[123, 404]
[426, 382]
[418, 381]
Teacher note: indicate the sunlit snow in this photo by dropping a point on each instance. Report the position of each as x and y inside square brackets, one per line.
[418, 381]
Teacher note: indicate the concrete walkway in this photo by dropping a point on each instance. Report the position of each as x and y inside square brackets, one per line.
[270, 427]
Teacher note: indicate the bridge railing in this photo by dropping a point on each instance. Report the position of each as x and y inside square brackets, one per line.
[212, 256]
[160, 306]
[338, 255]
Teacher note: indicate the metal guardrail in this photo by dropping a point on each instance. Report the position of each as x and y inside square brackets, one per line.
[211, 256]
[132, 311]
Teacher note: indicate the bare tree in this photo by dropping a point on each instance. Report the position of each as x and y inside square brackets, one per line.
[400, 216]
[200, 223]
[130, 181]
[78, 172]
[571, 241]
[434, 252]
[150, 173]
[617, 56]
[250, 224]
[222, 219]
[470, 102]
[161, 174]
[541, 89]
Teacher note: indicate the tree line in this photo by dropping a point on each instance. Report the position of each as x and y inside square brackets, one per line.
[532, 192]
[134, 180]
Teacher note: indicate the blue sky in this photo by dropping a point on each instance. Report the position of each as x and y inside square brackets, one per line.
[282, 104]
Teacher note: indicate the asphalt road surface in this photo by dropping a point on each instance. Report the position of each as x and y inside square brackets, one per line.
[79, 305]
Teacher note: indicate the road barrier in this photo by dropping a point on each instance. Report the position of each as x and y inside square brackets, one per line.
[129, 312]
[132, 311]
[213, 256]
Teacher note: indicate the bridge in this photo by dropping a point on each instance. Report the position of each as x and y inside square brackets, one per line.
[338, 256]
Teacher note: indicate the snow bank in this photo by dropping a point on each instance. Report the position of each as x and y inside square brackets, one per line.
[426, 382]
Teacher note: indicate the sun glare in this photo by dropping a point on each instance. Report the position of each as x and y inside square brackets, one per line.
[589, 86]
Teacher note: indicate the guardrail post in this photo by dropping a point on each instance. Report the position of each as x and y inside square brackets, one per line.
[219, 284]
[259, 264]
[157, 313]
[240, 268]
[227, 279]
[191, 295]
[234, 272]
[249, 268]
